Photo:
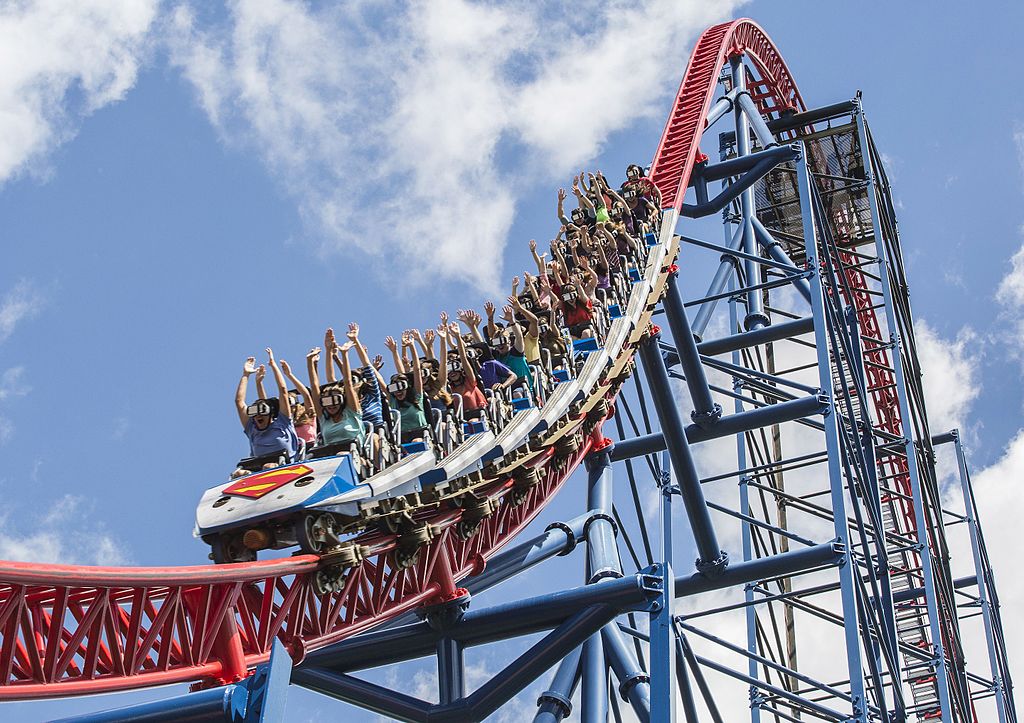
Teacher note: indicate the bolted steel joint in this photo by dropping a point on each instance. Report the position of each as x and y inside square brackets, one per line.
[551, 696]
[706, 420]
[630, 682]
[713, 568]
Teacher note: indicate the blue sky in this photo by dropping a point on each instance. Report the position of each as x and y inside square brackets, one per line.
[181, 186]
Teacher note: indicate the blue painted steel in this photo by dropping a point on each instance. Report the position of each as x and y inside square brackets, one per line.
[594, 697]
[722, 275]
[750, 612]
[1002, 700]
[268, 687]
[260, 698]
[757, 122]
[783, 564]
[726, 426]
[662, 635]
[634, 683]
[478, 627]
[206, 706]
[711, 558]
[602, 554]
[909, 446]
[555, 703]
[832, 443]
[486, 699]
[743, 185]
[560, 538]
[755, 316]
[776, 252]
[775, 332]
[705, 411]
[451, 676]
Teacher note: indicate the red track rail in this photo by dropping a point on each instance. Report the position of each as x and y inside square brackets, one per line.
[76, 630]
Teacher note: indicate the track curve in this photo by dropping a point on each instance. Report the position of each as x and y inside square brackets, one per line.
[69, 630]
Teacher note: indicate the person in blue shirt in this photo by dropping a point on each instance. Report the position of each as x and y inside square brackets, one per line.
[267, 422]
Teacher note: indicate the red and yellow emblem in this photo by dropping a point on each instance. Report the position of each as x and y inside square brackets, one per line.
[257, 485]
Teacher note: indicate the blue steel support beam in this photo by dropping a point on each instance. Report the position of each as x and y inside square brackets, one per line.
[755, 316]
[757, 122]
[775, 251]
[602, 563]
[662, 631]
[847, 585]
[712, 559]
[763, 568]
[478, 627]
[486, 699]
[998, 685]
[451, 676]
[746, 533]
[718, 284]
[206, 706]
[921, 522]
[560, 538]
[775, 332]
[705, 411]
[729, 425]
[555, 703]
[594, 696]
[260, 698]
[743, 185]
[634, 684]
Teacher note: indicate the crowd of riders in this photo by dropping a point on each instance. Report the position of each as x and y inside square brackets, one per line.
[468, 370]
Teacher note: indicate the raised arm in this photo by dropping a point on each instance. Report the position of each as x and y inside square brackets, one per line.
[351, 398]
[517, 332]
[426, 343]
[590, 283]
[467, 368]
[537, 258]
[364, 356]
[417, 380]
[243, 384]
[261, 373]
[442, 353]
[330, 344]
[472, 321]
[282, 388]
[531, 318]
[562, 219]
[491, 328]
[390, 343]
[303, 390]
[312, 357]
[581, 198]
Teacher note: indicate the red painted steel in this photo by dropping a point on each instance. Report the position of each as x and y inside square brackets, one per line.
[775, 92]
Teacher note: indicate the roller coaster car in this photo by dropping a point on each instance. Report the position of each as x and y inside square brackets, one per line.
[275, 508]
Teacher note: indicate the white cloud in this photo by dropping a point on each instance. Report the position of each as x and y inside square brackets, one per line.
[389, 136]
[22, 302]
[951, 375]
[61, 60]
[65, 534]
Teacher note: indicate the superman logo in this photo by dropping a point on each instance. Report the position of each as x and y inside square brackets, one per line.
[257, 485]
